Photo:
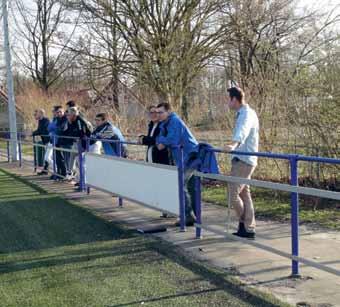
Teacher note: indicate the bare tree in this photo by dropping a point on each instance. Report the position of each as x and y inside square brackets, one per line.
[169, 42]
[45, 32]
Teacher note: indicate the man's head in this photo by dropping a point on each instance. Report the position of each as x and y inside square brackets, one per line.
[39, 114]
[58, 111]
[153, 114]
[72, 114]
[163, 111]
[71, 104]
[101, 118]
[236, 98]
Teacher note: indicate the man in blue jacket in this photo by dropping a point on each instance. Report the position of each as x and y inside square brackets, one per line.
[175, 133]
[107, 131]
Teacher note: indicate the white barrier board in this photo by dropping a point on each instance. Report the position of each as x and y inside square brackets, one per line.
[153, 185]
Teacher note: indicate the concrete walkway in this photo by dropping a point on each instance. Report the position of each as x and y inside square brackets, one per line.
[254, 266]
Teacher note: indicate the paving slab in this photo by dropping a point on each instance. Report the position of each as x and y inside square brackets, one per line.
[254, 266]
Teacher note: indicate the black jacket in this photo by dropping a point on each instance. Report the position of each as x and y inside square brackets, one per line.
[158, 156]
[43, 130]
[77, 129]
[60, 128]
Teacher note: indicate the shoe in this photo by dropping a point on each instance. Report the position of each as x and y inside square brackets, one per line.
[189, 222]
[241, 228]
[77, 184]
[245, 234]
[164, 215]
[42, 173]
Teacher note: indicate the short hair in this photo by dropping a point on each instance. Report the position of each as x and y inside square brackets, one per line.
[102, 116]
[153, 106]
[73, 111]
[165, 105]
[41, 111]
[57, 108]
[236, 92]
[71, 104]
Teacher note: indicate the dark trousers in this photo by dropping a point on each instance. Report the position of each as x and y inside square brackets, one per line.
[62, 161]
[190, 199]
[39, 154]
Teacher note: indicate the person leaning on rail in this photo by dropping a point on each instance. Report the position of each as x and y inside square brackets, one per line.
[41, 131]
[48, 158]
[105, 130]
[153, 154]
[174, 133]
[246, 139]
[76, 128]
[57, 131]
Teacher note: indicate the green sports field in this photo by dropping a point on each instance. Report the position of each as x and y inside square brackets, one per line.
[54, 253]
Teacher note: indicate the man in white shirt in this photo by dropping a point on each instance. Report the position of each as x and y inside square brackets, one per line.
[245, 139]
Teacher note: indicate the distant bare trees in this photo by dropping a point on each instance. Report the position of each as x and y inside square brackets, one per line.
[45, 28]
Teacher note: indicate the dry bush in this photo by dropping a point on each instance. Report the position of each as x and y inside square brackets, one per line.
[31, 98]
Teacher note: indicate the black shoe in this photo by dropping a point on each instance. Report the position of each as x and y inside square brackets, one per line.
[245, 234]
[77, 184]
[241, 227]
[42, 173]
[189, 222]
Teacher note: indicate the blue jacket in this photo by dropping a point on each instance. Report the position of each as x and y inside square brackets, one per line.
[110, 132]
[205, 160]
[52, 127]
[174, 132]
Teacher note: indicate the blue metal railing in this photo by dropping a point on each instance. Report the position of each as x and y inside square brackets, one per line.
[291, 158]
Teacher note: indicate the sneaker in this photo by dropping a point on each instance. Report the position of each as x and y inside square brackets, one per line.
[241, 228]
[43, 172]
[245, 234]
[189, 222]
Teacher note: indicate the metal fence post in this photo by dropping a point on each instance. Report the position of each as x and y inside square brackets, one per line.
[8, 153]
[88, 189]
[81, 166]
[20, 152]
[181, 189]
[120, 200]
[198, 208]
[294, 181]
[54, 142]
[34, 154]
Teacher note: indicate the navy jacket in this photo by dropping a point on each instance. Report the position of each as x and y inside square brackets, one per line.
[174, 132]
[43, 130]
[158, 156]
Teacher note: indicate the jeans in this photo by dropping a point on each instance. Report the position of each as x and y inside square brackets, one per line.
[189, 190]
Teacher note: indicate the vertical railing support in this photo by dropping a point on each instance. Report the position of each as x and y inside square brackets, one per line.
[54, 143]
[20, 152]
[8, 153]
[181, 189]
[34, 154]
[120, 200]
[81, 167]
[88, 190]
[294, 180]
[198, 208]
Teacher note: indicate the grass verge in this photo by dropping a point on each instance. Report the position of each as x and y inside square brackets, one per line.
[54, 253]
[276, 206]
